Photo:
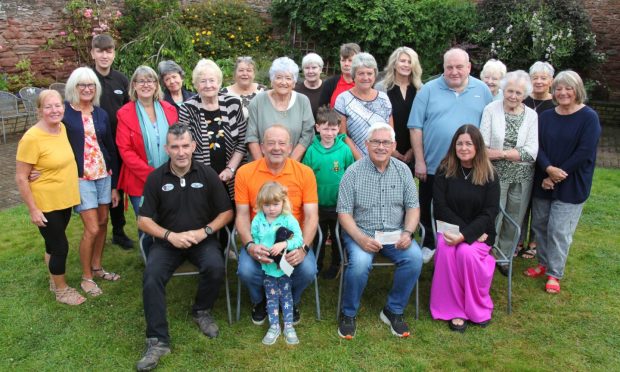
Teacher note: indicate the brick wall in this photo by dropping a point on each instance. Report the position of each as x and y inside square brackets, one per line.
[608, 112]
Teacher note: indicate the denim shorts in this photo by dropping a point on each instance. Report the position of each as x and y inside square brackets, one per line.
[94, 193]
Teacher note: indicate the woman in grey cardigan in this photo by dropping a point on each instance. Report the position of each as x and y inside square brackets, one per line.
[510, 132]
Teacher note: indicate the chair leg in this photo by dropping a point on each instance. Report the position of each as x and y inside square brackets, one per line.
[316, 296]
[340, 288]
[417, 300]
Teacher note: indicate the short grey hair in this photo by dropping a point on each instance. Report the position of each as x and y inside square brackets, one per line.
[312, 59]
[518, 76]
[203, 66]
[363, 60]
[177, 130]
[380, 125]
[493, 66]
[169, 67]
[573, 80]
[81, 75]
[544, 67]
[283, 64]
[146, 72]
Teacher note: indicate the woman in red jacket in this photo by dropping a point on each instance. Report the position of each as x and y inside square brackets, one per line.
[141, 133]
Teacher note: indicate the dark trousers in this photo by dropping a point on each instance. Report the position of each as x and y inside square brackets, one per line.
[161, 263]
[328, 217]
[426, 198]
[117, 216]
[56, 243]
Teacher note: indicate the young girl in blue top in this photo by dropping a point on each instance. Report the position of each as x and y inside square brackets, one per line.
[275, 227]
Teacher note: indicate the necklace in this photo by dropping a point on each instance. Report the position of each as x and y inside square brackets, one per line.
[466, 176]
[537, 105]
[181, 177]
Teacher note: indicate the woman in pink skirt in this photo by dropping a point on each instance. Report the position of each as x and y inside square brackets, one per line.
[466, 194]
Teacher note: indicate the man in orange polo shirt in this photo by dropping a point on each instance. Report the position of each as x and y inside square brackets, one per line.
[299, 179]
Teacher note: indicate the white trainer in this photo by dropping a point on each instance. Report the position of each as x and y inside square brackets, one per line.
[427, 254]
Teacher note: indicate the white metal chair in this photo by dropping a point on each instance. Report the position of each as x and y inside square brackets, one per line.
[9, 112]
[60, 88]
[29, 98]
[189, 269]
[378, 261]
[317, 251]
[500, 257]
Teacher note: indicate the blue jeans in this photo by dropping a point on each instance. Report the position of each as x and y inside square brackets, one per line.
[554, 223]
[252, 276]
[147, 242]
[408, 266]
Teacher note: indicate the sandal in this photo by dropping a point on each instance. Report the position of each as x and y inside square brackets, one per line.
[457, 327]
[553, 285]
[101, 273]
[530, 252]
[535, 272]
[69, 296]
[52, 286]
[519, 250]
[93, 291]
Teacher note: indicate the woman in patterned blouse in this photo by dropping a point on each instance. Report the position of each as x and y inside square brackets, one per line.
[216, 122]
[510, 132]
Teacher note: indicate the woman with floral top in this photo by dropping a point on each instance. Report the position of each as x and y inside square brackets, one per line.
[90, 135]
[510, 132]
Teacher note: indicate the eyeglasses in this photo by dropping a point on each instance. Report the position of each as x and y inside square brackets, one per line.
[84, 86]
[377, 143]
[146, 82]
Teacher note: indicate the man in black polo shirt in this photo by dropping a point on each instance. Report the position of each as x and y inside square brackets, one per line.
[184, 205]
[114, 87]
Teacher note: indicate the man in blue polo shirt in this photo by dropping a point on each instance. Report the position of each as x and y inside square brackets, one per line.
[439, 109]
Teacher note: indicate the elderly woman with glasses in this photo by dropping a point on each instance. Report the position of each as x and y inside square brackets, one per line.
[141, 133]
[244, 87]
[510, 132]
[281, 105]
[216, 122]
[312, 65]
[171, 76]
[568, 138]
[90, 136]
[362, 105]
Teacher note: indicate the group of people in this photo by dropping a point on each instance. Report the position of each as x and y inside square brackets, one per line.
[279, 164]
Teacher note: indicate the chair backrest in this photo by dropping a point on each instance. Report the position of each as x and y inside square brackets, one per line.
[29, 93]
[59, 87]
[8, 104]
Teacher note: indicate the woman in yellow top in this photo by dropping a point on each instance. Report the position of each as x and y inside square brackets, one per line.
[46, 149]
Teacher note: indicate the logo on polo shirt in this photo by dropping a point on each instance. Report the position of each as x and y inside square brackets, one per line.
[118, 91]
[197, 185]
[167, 187]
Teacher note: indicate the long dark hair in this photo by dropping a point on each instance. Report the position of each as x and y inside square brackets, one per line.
[482, 167]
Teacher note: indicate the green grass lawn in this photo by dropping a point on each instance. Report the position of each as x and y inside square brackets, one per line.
[575, 330]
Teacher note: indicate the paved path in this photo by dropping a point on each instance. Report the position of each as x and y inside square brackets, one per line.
[608, 157]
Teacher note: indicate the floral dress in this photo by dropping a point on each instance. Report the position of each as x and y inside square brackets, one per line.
[94, 164]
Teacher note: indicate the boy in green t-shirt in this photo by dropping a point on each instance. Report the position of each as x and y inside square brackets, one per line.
[328, 156]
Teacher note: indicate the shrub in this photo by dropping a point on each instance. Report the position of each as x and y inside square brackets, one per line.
[521, 32]
[428, 26]
[141, 13]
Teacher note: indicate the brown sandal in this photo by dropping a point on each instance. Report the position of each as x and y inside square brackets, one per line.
[69, 296]
[101, 273]
[93, 291]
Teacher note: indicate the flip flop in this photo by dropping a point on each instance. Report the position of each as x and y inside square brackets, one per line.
[529, 253]
[457, 327]
[535, 272]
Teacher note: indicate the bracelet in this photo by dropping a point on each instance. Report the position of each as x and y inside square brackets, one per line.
[166, 235]
[247, 245]
[408, 231]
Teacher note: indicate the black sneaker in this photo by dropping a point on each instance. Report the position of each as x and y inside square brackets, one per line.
[346, 327]
[259, 312]
[296, 315]
[503, 269]
[331, 273]
[397, 324]
[154, 351]
[122, 240]
[206, 323]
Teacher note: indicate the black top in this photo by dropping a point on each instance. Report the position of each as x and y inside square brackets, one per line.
[327, 89]
[178, 208]
[114, 94]
[186, 95]
[401, 108]
[473, 208]
[312, 94]
[538, 105]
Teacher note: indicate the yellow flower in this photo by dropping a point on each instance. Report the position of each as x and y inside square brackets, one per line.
[204, 32]
[239, 28]
[193, 41]
[257, 39]
[232, 36]
[208, 33]
[197, 33]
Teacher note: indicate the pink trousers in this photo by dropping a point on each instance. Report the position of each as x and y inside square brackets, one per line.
[461, 282]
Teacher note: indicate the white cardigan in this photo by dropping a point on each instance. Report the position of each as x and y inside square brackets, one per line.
[493, 128]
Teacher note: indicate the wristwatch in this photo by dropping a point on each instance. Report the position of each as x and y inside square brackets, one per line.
[231, 169]
[208, 230]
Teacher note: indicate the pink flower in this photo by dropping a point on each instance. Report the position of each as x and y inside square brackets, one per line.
[62, 33]
[118, 14]
[103, 25]
[88, 13]
[94, 33]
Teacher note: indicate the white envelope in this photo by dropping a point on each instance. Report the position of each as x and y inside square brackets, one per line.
[286, 266]
[444, 227]
[387, 237]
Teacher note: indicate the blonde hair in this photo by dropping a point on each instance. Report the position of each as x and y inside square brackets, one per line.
[145, 72]
[273, 192]
[415, 78]
[44, 96]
